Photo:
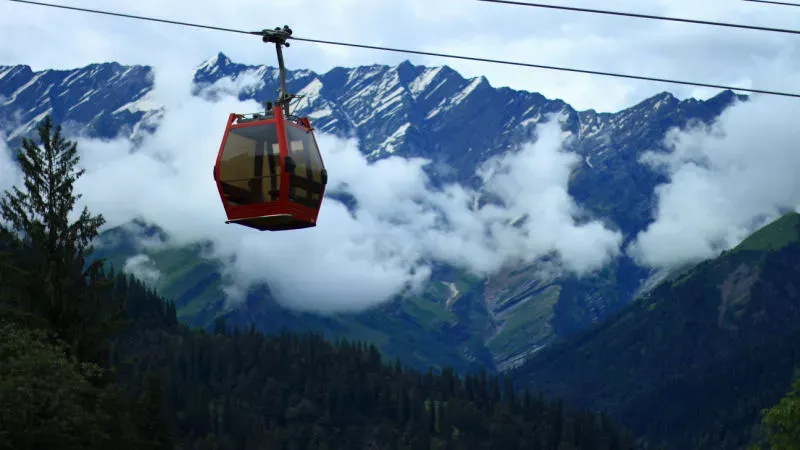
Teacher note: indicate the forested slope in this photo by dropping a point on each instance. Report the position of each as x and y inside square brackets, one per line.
[694, 362]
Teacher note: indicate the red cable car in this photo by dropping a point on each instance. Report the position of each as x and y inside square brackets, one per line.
[269, 171]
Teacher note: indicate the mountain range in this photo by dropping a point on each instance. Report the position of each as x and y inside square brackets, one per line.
[459, 319]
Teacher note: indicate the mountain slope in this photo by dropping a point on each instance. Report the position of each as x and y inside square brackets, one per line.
[417, 330]
[405, 110]
[702, 354]
[103, 100]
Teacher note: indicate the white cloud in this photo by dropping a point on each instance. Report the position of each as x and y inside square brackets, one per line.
[589, 41]
[534, 183]
[143, 268]
[350, 260]
[725, 181]
[9, 172]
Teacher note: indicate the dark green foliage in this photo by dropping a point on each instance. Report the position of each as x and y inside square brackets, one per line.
[50, 251]
[782, 421]
[240, 389]
[45, 402]
[246, 390]
[150, 417]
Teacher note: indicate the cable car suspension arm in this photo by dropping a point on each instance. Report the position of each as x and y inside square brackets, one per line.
[279, 36]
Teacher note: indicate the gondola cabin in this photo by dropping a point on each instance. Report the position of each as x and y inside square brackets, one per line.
[269, 172]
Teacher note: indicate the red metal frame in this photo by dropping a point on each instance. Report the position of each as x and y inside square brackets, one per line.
[305, 125]
[283, 205]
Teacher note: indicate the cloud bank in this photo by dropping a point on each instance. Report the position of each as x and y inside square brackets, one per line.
[143, 268]
[356, 258]
[9, 175]
[725, 181]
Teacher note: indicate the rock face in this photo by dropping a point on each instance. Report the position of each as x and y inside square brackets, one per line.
[404, 110]
[104, 99]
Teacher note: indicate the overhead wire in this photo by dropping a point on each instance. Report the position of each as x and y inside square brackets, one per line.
[644, 16]
[542, 66]
[426, 53]
[773, 2]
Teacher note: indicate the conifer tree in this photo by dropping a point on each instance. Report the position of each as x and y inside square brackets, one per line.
[45, 401]
[150, 417]
[60, 285]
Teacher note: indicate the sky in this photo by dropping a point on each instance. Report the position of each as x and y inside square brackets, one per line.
[66, 39]
[723, 181]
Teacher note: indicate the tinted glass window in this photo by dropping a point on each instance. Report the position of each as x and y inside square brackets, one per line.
[249, 169]
[306, 182]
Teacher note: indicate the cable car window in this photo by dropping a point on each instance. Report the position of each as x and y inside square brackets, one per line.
[250, 165]
[307, 177]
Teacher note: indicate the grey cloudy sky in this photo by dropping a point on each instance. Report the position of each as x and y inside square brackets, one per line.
[46, 37]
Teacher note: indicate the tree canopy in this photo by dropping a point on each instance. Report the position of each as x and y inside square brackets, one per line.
[53, 274]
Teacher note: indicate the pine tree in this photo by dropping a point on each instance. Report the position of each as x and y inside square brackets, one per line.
[149, 416]
[219, 325]
[59, 285]
[11, 277]
[45, 400]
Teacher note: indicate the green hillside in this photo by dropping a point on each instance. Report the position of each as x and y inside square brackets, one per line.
[696, 359]
[457, 320]
[775, 236]
[423, 331]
